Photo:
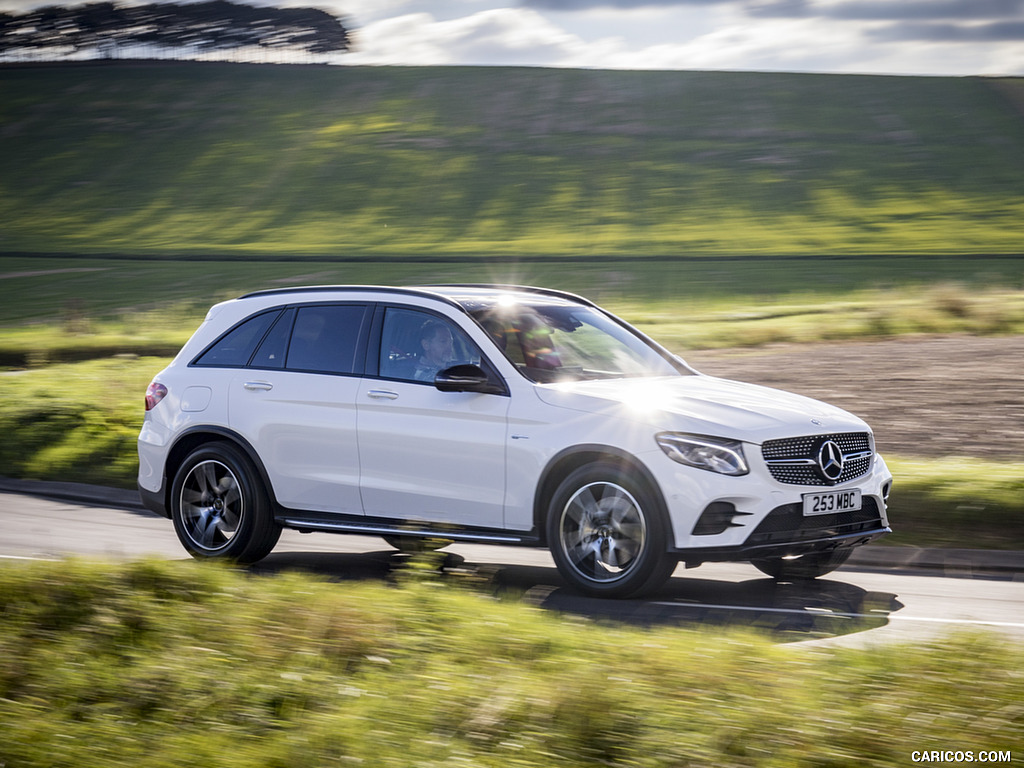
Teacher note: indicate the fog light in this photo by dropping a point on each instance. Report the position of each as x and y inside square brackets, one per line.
[717, 517]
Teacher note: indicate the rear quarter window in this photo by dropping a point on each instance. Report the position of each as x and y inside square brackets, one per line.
[235, 348]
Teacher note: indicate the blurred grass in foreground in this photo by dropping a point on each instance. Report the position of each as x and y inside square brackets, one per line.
[181, 664]
[79, 422]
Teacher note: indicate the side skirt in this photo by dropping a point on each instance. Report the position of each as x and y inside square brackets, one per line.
[308, 522]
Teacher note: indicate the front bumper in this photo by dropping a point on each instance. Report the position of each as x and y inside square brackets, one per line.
[786, 532]
[722, 518]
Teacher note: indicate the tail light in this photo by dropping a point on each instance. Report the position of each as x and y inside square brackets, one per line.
[154, 394]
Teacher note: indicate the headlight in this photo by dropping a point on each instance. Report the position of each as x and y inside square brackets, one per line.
[711, 453]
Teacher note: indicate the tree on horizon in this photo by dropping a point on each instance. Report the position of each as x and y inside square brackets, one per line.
[112, 30]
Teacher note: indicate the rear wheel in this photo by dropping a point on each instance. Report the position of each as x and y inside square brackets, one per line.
[809, 566]
[220, 508]
[607, 533]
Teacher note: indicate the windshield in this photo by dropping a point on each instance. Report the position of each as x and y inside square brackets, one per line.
[568, 342]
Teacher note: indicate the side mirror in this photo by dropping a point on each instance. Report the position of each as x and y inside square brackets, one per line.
[467, 378]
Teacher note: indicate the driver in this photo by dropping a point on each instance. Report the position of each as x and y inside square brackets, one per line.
[438, 350]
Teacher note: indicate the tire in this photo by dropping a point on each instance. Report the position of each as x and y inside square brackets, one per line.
[802, 568]
[220, 508]
[607, 533]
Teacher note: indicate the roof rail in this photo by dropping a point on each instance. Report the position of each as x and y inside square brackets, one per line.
[424, 290]
[319, 289]
[554, 293]
[408, 291]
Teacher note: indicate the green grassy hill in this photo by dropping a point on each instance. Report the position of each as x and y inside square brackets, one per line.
[190, 159]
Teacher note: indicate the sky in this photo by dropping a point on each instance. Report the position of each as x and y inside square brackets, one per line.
[897, 37]
[900, 37]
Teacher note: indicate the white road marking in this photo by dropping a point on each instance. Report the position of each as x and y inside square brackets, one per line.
[843, 615]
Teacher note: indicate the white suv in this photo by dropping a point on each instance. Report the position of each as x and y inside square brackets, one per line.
[495, 414]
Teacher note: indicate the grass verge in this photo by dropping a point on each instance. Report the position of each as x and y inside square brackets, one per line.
[79, 422]
[957, 502]
[182, 664]
[76, 422]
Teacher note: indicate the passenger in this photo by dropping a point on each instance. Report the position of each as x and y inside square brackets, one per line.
[538, 343]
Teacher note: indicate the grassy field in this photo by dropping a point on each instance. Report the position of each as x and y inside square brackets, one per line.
[276, 161]
[177, 664]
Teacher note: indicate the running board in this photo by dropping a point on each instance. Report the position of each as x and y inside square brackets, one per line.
[306, 526]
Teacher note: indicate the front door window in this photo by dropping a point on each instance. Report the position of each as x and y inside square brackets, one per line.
[416, 346]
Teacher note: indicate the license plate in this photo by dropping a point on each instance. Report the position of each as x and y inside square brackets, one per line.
[831, 502]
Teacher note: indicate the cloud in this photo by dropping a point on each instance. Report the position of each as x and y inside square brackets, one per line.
[930, 10]
[792, 41]
[501, 36]
[781, 9]
[944, 21]
[851, 10]
[889, 10]
[621, 5]
[792, 44]
[400, 40]
[1000, 32]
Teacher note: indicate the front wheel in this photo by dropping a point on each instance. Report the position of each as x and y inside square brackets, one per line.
[220, 508]
[805, 567]
[607, 533]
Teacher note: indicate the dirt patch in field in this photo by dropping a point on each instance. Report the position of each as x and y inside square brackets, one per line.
[950, 396]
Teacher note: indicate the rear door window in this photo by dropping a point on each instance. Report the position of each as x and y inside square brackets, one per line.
[325, 339]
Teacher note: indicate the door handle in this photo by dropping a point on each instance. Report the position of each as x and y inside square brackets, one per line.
[382, 394]
[254, 386]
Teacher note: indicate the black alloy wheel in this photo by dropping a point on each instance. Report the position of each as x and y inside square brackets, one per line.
[220, 508]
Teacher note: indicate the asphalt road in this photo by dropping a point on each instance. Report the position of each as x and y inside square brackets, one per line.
[853, 606]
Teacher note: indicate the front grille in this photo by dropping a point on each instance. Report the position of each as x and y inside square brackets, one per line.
[787, 524]
[794, 460]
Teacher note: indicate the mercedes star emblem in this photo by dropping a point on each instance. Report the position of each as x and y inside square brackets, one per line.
[830, 459]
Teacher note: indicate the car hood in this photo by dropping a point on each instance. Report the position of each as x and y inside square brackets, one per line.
[704, 405]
